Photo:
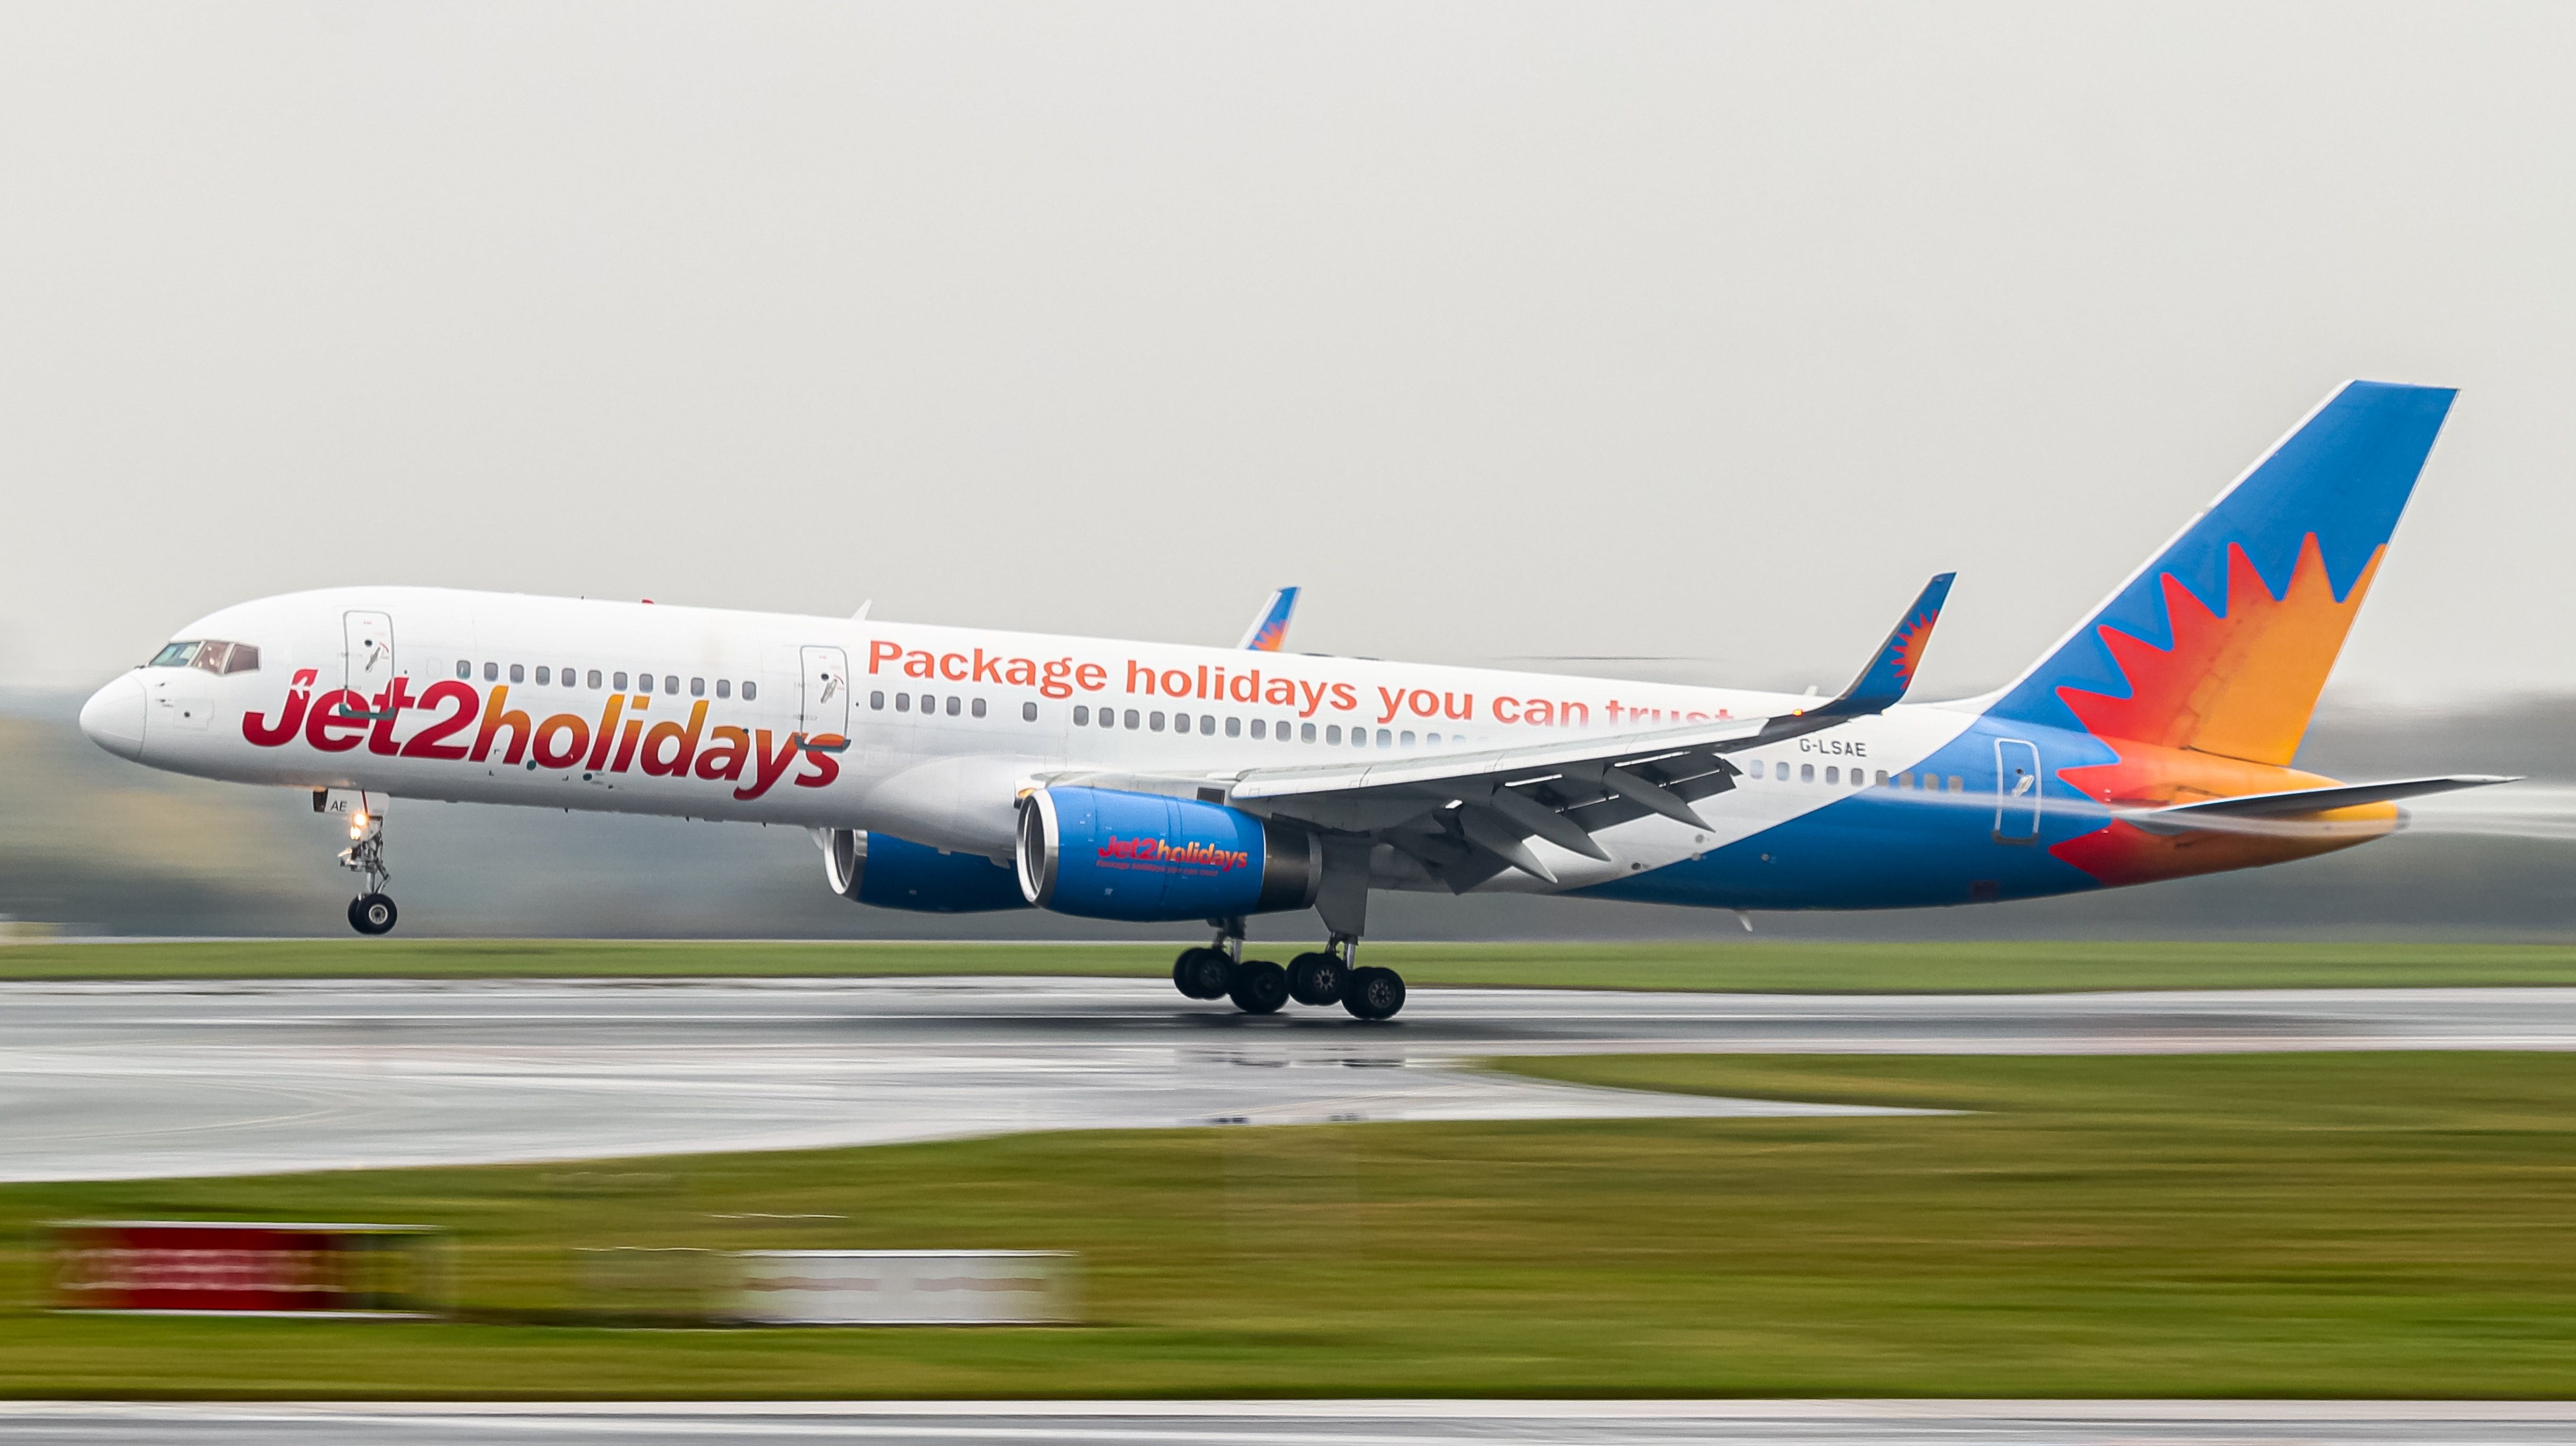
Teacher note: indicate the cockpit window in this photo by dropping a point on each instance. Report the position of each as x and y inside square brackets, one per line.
[212, 657]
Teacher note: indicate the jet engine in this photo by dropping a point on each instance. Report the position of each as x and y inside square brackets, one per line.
[894, 873]
[1142, 857]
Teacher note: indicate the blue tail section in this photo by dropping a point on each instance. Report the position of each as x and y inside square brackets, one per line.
[2185, 654]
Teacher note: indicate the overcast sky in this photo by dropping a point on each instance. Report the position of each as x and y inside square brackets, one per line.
[1702, 330]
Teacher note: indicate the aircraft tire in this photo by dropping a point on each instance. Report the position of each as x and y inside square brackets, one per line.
[1315, 979]
[1260, 986]
[1372, 993]
[373, 914]
[1202, 973]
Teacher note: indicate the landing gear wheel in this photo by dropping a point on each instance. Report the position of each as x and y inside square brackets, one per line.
[1315, 979]
[1372, 993]
[1203, 973]
[1260, 986]
[372, 914]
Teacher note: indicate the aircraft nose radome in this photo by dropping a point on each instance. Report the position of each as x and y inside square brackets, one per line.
[113, 717]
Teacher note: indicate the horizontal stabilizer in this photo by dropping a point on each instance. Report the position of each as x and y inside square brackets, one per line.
[2304, 802]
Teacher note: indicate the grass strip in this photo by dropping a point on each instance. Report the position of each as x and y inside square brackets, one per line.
[2300, 1225]
[1748, 965]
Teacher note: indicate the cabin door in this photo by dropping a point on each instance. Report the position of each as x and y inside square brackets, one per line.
[367, 660]
[827, 693]
[2016, 791]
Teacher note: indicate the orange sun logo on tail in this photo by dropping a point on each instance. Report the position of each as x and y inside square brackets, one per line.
[2218, 712]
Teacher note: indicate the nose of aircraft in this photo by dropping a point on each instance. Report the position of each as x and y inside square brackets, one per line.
[113, 717]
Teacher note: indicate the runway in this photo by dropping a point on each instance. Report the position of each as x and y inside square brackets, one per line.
[103, 1081]
[1311, 1423]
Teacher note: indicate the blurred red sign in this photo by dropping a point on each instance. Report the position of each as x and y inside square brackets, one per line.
[183, 1265]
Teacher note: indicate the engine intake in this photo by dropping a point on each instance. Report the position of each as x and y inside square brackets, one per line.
[895, 873]
[1108, 854]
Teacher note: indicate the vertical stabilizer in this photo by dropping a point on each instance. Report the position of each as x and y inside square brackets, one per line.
[2222, 641]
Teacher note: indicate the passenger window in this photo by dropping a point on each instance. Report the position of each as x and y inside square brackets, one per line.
[1882, 778]
[1081, 715]
[1131, 717]
[1306, 732]
[1757, 768]
[671, 683]
[1207, 723]
[568, 676]
[1833, 774]
[545, 675]
[1433, 740]
[1260, 728]
[1905, 779]
[1233, 727]
[697, 687]
[1281, 732]
[1955, 785]
[1332, 733]
[464, 669]
[518, 673]
[1407, 738]
[1154, 721]
[978, 709]
[750, 690]
[724, 689]
[903, 702]
[1028, 712]
[1383, 738]
[594, 677]
[1180, 722]
[491, 672]
[876, 699]
[1806, 773]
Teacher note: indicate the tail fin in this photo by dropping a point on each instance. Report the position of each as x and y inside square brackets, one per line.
[2222, 641]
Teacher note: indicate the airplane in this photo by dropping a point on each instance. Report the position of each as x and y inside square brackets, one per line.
[955, 770]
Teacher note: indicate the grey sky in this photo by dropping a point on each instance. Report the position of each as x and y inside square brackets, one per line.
[1692, 329]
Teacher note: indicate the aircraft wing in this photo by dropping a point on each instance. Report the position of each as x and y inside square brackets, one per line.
[1466, 816]
[1269, 630]
[2302, 803]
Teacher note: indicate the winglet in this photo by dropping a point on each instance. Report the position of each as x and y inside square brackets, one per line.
[1891, 669]
[1270, 627]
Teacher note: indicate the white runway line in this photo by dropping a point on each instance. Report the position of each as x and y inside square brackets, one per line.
[136, 1080]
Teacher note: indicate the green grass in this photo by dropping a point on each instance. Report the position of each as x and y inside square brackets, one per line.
[1751, 965]
[2313, 1225]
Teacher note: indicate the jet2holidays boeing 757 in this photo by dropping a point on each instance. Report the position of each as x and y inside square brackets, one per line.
[951, 769]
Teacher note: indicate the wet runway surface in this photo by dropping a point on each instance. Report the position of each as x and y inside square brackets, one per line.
[1315, 1423]
[139, 1080]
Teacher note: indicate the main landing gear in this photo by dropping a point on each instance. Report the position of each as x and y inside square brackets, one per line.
[1257, 986]
[372, 912]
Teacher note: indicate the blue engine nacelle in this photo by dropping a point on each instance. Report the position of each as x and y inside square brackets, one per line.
[1107, 854]
[894, 873]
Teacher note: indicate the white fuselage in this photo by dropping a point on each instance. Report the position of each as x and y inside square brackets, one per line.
[926, 733]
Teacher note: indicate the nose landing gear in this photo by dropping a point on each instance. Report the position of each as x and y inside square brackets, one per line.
[372, 912]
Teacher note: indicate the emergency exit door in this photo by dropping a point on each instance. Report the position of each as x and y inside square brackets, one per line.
[2016, 791]
[827, 693]
[367, 661]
